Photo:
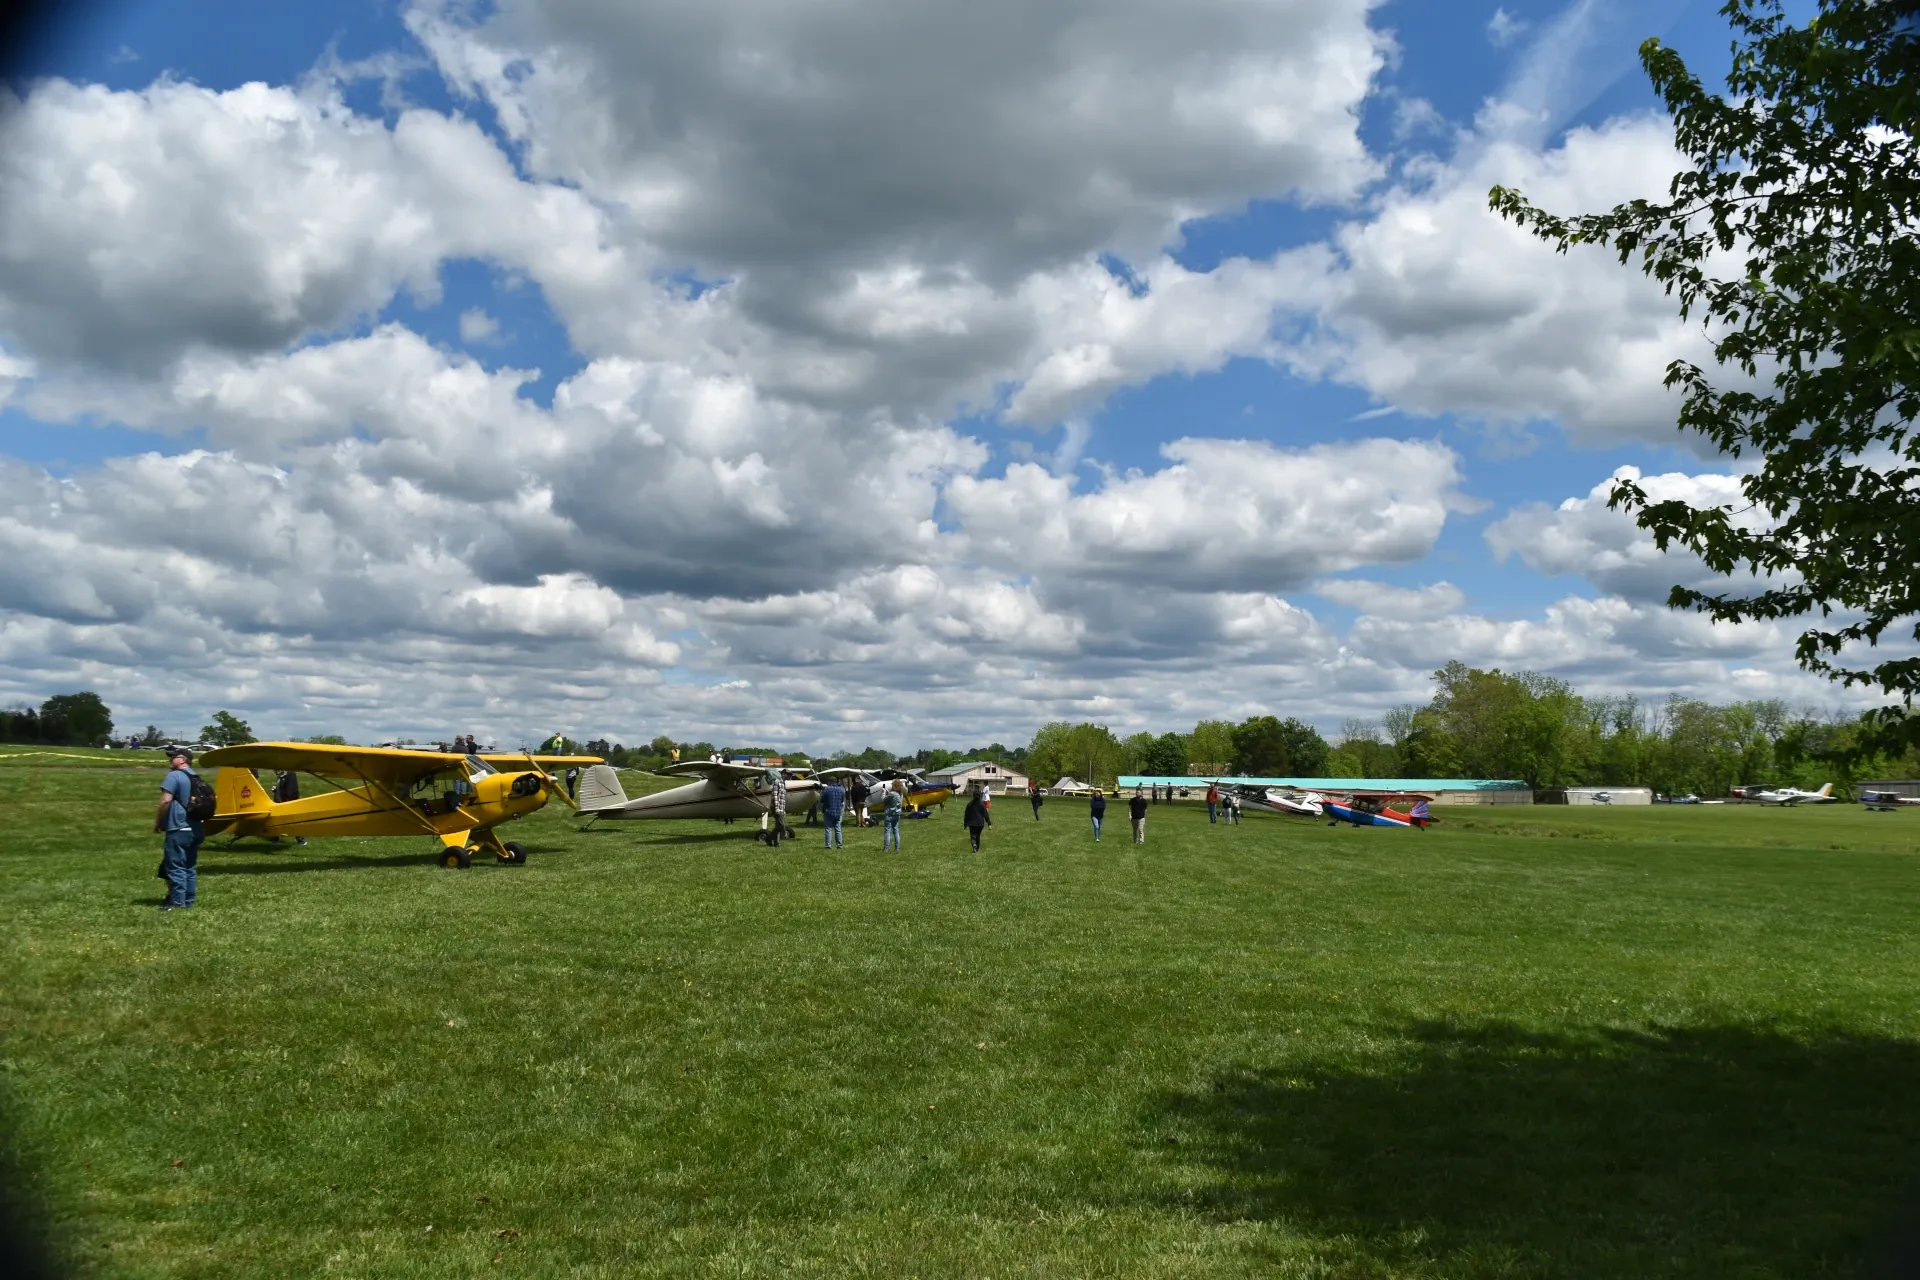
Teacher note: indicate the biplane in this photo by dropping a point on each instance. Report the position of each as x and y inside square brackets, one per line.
[723, 790]
[459, 800]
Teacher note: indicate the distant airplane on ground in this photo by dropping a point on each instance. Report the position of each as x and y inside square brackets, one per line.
[921, 794]
[1362, 814]
[1886, 801]
[1309, 805]
[722, 791]
[1793, 795]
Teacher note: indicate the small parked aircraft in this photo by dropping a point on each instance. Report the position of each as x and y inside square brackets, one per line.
[1363, 814]
[724, 790]
[921, 794]
[1886, 801]
[457, 799]
[1793, 795]
[1310, 804]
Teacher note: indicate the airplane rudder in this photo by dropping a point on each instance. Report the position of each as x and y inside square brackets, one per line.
[600, 788]
[237, 790]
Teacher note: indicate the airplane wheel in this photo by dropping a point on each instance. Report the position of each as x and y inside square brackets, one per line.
[515, 855]
[456, 859]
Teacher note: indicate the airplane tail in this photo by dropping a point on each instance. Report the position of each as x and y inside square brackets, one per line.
[237, 792]
[1825, 790]
[600, 789]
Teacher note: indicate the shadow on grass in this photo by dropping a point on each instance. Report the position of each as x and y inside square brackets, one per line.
[312, 864]
[1491, 1150]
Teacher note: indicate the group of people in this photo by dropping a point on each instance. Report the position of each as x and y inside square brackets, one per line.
[463, 745]
[836, 800]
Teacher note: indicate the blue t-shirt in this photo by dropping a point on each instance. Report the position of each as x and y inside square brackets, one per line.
[891, 807]
[179, 785]
[833, 801]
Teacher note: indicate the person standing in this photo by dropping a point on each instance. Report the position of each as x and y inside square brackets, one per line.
[184, 832]
[890, 806]
[1098, 810]
[976, 819]
[1033, 794]
[1213, 801]
[776, 806]
[1138, 806]
[833, 807]
[286, 788]
[573, 782]
[1233, 807]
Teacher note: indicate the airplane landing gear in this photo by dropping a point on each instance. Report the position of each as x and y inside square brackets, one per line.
[456, 859]
[512, 854]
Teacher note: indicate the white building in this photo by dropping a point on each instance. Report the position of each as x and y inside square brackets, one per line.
[968, 774]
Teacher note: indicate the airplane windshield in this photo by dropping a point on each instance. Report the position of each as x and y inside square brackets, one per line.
[480, 768]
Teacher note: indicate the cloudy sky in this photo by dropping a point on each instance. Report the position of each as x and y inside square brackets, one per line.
[833, 373]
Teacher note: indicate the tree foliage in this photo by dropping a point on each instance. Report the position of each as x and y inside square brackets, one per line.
[1088, 752]
[65, 719]
[1264, 746]
[227, 730]
[1792, 239]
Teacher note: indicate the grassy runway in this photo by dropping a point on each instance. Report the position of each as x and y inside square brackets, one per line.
[1558, 1042]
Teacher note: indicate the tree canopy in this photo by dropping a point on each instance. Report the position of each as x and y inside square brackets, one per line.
[1792, 240]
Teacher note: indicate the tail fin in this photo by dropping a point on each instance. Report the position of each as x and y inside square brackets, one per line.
[1826, 790]
[600, 789]
[237, 791]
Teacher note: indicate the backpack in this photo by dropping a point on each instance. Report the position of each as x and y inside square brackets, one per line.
[200, 799]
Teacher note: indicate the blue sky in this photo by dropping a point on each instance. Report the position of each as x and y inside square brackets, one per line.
[1338, 235]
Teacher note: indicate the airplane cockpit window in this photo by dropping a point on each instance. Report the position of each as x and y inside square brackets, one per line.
[480, 768]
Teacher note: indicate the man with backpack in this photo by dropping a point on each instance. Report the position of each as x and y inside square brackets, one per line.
[186, 802]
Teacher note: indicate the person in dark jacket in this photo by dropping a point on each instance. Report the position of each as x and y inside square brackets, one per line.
[976, 819]
[1138, 807]
[1033, 794]
[1098, 809]
[285, 788]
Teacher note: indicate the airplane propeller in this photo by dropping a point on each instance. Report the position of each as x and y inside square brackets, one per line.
[554, 788]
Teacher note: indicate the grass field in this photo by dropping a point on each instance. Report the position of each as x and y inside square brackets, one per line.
[1558, 1042]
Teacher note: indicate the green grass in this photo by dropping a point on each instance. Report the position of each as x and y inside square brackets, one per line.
[1558, 1042]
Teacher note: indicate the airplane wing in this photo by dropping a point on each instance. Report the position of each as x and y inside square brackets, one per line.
[839, 771]
[504, 761]
[388, 766]
[717, 771]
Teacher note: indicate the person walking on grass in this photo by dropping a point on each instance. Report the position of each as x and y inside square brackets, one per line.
[1097, 809]
[1233, 807]
[1138, 807]
[976, 819]
[1213, 801]
[182, 819]
[1033, 794]
[891, 805]
[833, 806]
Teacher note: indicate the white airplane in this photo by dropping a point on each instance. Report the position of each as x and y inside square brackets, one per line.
[1793, 795]
[1309, 805]
[722, 791]
[1886, 800]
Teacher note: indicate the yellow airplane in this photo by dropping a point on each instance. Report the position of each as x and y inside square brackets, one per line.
[456, 799]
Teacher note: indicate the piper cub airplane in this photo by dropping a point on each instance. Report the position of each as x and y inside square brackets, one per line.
[457, 799]
[723, 791]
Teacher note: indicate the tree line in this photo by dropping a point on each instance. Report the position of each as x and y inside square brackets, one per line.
[1532, 728]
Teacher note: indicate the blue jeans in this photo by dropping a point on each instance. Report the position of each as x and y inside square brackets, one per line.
[1096, 826]
[180, 858]
[891, 839]
[833, 832]
[1213, 811]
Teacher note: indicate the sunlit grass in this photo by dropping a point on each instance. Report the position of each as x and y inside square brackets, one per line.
[1548, 1042]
